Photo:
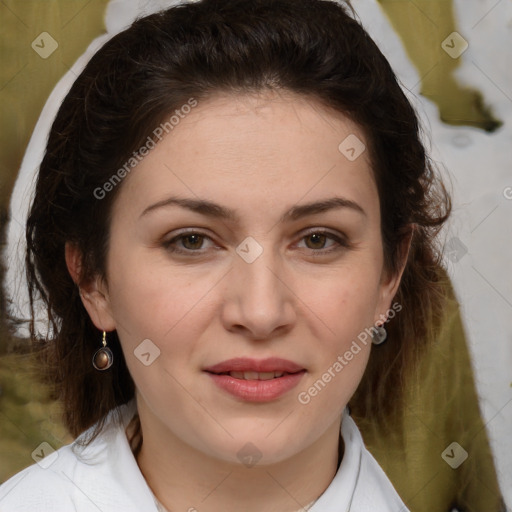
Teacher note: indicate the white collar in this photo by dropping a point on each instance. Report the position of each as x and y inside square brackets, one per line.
[105, 476]
[359, 485]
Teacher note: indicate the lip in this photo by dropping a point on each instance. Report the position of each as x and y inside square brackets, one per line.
[256, 390]
[245, 364]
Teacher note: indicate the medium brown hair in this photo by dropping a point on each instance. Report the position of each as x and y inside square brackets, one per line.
[313, 48]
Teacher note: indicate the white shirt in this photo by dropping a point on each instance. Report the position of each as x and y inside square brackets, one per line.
[105, 477]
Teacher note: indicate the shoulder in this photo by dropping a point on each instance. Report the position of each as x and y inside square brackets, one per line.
[102, 475]
[42, 486]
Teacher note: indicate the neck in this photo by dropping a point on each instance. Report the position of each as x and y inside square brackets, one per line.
[183, 478]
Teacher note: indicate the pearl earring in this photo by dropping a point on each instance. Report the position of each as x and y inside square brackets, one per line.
[379, 335]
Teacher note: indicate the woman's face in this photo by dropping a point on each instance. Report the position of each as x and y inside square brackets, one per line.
[245, 260]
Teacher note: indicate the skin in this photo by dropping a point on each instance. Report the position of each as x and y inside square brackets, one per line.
[259, 155]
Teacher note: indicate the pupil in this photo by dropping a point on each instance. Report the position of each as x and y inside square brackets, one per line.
[317, 239]
[196, 239]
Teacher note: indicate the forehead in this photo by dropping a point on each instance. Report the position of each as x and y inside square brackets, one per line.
[278, 122]
[260, 149]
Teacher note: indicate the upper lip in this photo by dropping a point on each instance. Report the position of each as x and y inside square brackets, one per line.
[245, 364]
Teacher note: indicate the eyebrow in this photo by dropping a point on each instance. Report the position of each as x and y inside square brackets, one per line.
[214, 210]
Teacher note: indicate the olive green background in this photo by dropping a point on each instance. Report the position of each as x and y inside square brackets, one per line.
[27, 416]
[440, 410]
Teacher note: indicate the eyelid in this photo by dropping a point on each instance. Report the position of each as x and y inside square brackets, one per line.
[324, 231]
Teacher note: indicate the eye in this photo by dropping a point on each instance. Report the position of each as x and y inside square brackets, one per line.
[190, 242]
[193, 243]
[316, 240]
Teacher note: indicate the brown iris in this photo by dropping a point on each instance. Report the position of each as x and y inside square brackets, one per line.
[196, 241]
[317, 238]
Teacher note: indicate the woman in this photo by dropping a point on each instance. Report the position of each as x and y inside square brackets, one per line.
[233, 207]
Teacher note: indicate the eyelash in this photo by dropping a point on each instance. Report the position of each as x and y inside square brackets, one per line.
[341, 241]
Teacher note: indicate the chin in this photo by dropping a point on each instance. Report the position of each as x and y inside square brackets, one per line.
[267, 447]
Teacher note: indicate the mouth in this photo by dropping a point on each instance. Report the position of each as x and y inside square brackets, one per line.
[265, 367]
[252, 375]
[254, 380]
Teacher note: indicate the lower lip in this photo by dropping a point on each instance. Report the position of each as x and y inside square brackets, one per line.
[257, 390]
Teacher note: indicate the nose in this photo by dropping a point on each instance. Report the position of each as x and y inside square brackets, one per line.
[259, 301]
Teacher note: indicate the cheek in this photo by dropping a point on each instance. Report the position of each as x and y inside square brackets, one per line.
[148, 291]
[159, 318]
[344, 300]
[164, 306]
[340, 307]
[345, 310]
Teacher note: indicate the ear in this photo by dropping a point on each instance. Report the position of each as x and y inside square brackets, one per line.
[390, 281]
[93, 292]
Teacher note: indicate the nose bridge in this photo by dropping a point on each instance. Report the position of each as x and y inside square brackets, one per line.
[258, 269]
[263, 301]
